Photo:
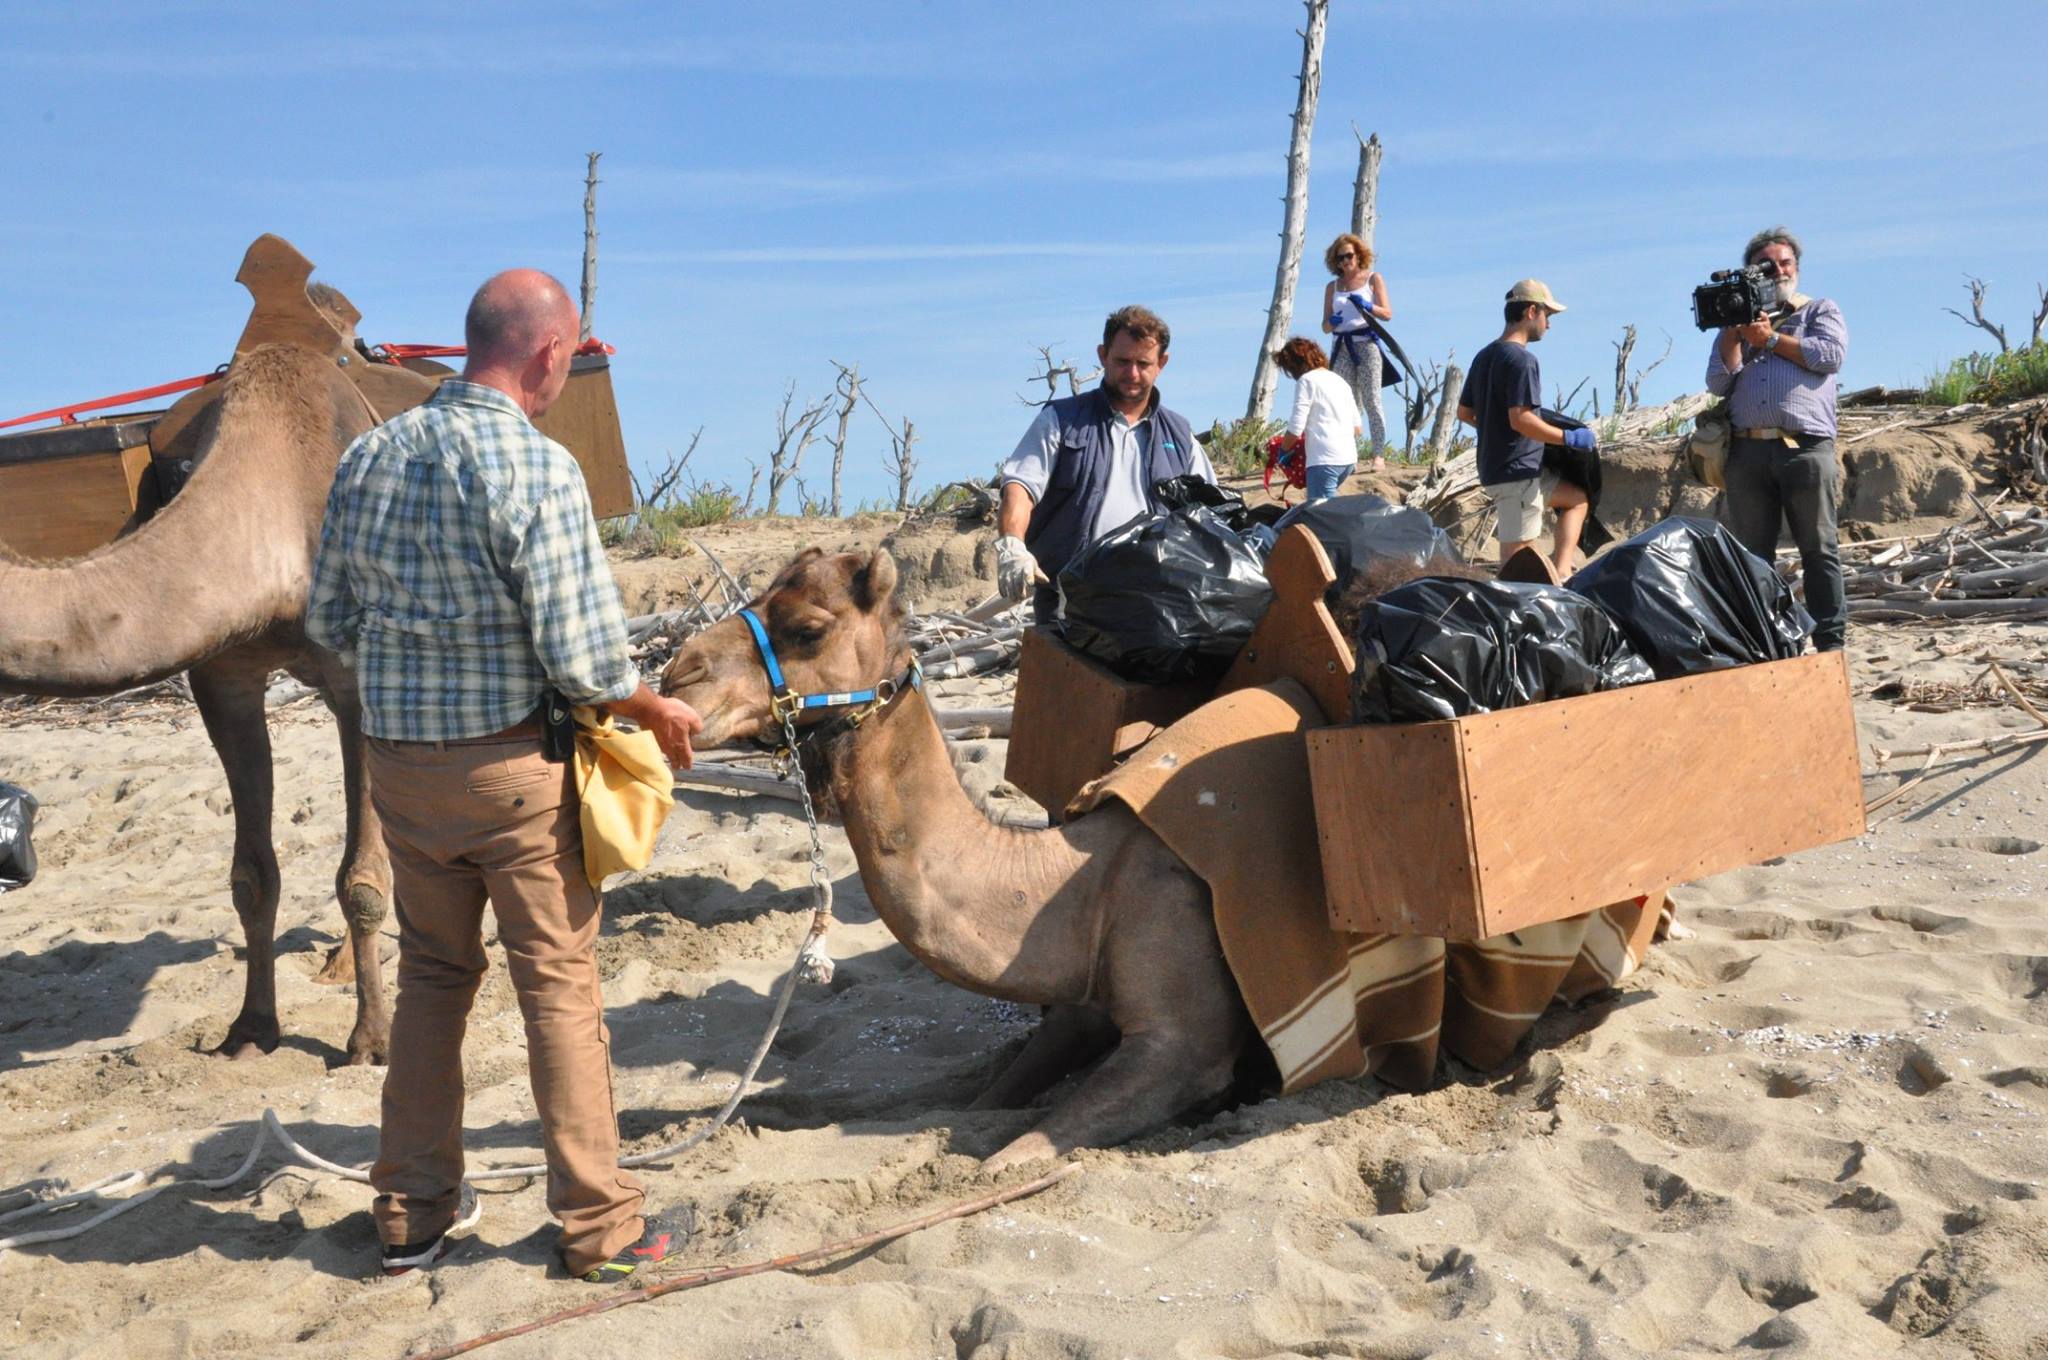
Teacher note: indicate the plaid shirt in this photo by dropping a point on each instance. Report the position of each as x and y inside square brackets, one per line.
[460, 573]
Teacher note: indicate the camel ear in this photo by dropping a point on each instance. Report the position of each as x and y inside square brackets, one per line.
[875, 584]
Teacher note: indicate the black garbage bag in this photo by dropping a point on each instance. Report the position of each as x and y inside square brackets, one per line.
[1167, 597]
[1354, 530]
[1179, 493]
[1580, 467]
[1445, 647]
[1692, 599]
[17, 849]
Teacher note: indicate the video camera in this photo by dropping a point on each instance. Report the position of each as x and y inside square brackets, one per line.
[1736, 297]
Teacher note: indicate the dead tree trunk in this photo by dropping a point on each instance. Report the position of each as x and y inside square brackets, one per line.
[1365, 190]
[589, 245]
[901, 462]
[1446, 427]
[784, 461]
[1281, 313]
[848, 389]
[2040, 314]
[1977, 291]
[1622, 349]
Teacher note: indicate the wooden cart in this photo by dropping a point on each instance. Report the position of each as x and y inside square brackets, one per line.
[1472, 827]
[67, 489]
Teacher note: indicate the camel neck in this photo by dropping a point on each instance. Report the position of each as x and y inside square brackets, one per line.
[960, 893]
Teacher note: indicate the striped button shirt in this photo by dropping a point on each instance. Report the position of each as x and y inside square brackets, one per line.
[1769, 391]
[460, 573]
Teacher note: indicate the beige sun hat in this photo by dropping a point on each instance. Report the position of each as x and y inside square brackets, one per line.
[1536, 291]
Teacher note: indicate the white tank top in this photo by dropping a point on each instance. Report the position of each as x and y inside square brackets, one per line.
[1349, 316]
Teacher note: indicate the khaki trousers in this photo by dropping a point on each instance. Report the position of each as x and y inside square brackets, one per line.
[465, 822]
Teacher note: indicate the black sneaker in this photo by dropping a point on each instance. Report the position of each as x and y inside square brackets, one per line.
[411, 1256]
[661, 1236]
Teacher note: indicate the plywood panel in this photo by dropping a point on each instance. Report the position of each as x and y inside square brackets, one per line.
[585, 420]
[1587, 801]
[1075, 719]
[1573, 804]
[1297, 639]
[62, 507]
[1390, 819]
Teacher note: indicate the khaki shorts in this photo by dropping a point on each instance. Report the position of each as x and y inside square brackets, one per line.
[1520, 506]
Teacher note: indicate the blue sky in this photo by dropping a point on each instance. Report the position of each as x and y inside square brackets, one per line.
[935, 190]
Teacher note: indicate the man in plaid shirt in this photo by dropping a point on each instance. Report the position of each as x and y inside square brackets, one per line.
[460, 573]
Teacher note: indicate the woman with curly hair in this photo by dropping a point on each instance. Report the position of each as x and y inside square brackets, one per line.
[1354, 298]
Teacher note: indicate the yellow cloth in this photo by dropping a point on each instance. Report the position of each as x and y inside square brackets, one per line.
[626, 790]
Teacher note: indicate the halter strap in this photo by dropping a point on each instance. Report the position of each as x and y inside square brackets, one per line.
[784, 702]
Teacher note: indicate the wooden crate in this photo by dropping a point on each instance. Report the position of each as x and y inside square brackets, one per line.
[1477, 826]
[1075, 719]
[70, 489]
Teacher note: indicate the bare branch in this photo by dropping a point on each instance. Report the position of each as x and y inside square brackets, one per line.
[1050, 374]
[669, 477]
[2040, 314]
[1977, 291]
[1635, 383]
[1420, 391]
[783, 461]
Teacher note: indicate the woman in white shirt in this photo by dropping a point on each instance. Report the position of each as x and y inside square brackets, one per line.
[1325, 419]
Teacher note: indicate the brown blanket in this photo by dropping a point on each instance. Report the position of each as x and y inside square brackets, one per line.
[1227, 788]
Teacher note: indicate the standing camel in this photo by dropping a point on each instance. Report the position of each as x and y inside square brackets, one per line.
[215, 584]
[1097, 919]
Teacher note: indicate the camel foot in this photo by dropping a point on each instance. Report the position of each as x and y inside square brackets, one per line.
[250, 1036]
[1032, 1147]
[369, 1046]
[340, 968]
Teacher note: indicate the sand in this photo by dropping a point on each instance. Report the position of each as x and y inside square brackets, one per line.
[1815, 1126]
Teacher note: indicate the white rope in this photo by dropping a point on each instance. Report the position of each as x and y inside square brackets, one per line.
[810, 960]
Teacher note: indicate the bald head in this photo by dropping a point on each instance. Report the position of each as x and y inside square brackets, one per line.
[521, 332]
[513, 315]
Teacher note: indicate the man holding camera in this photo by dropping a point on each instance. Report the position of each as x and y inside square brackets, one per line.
[1778, 373]
[1503, 402]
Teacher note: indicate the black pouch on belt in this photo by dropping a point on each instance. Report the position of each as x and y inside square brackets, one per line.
[557, 728]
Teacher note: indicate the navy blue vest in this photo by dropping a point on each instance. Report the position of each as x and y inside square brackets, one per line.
[1080, 474]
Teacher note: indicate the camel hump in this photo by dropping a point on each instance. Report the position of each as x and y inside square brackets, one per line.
[284, 314]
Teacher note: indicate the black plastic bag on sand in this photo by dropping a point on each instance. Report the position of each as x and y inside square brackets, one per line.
[1182, 492]
[17, 851]
[1354, 530]
[1692, 599]
[1167, 597]
[1444, 647]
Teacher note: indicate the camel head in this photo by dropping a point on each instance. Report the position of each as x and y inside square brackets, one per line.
[835, 624]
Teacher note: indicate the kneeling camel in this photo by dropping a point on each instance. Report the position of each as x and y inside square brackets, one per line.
[1096, 920]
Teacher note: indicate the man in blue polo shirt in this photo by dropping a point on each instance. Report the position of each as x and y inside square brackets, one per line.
[1089, 462]
[1503, 401]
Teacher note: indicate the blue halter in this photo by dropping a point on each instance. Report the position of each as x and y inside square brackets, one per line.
[784, 703]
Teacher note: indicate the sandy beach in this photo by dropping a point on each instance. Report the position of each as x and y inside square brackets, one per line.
[1814, 1125]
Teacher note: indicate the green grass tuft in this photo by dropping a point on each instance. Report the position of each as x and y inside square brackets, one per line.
[1239, 449]
[1991, 378]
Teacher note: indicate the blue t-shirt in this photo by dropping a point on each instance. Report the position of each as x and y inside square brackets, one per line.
[1504, 375]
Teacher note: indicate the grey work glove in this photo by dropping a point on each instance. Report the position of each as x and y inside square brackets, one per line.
[1016, 569]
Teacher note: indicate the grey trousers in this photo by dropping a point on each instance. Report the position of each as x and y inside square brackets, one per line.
[1770, 484]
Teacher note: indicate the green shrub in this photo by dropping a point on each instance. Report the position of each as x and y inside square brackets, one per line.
[1991, 377]
[1239, 449]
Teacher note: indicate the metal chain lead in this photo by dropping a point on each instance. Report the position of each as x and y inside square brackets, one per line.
[814, 965]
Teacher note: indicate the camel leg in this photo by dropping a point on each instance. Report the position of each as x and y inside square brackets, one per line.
[1148, 1080]
[230, 703]
[363, 883]
[1066, 1038]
